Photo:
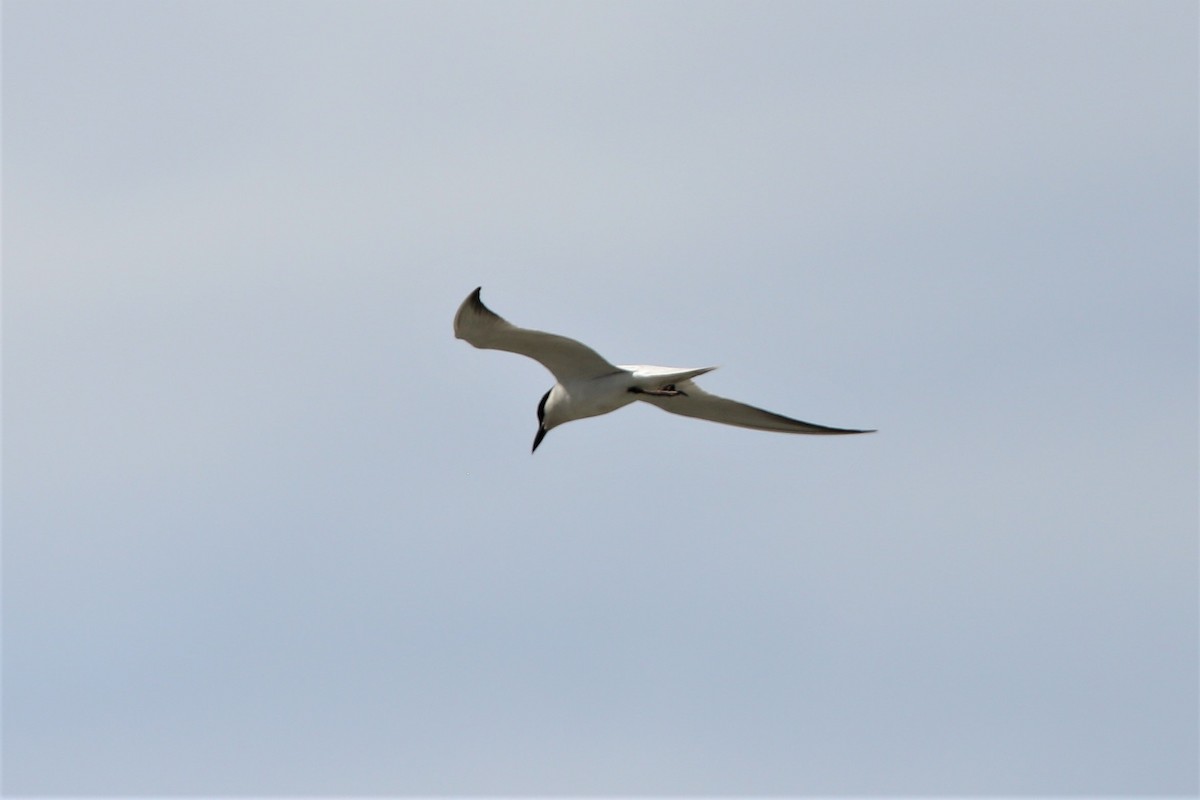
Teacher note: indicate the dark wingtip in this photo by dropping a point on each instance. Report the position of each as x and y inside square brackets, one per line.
[476, 301]
[828, 431]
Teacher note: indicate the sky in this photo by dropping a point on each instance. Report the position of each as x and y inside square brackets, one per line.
[270, 529]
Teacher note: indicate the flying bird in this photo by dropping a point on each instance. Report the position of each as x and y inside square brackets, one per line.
[587, 385]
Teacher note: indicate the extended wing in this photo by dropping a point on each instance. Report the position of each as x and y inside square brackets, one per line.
[695, 402]
[566, 358]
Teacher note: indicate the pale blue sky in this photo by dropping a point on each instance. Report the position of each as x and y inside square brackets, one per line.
[270, 529]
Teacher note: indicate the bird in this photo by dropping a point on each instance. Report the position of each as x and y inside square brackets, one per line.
[587, 385]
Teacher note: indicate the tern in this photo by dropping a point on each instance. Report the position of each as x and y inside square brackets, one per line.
[587, 385]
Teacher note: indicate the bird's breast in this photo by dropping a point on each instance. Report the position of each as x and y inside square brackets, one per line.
[590, 398]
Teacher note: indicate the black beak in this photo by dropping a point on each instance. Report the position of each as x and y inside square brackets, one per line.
[538, 439]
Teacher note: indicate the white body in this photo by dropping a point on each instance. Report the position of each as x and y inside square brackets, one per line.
[577, 398]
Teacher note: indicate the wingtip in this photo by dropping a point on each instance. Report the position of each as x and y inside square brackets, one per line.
[474, 304]
[475, 299]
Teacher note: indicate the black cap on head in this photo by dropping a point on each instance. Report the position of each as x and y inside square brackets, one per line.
[541, 433]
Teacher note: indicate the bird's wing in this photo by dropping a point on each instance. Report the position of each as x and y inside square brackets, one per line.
[695, 402]
[566, 358]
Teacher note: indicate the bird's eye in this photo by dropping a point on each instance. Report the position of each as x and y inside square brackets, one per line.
[670, 387]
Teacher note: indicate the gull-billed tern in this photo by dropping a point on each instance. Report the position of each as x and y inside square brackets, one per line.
[587, 385]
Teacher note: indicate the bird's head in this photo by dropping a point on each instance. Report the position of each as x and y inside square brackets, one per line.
[547, 419]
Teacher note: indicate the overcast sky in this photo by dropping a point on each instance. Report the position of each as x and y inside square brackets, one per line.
[270, 529]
